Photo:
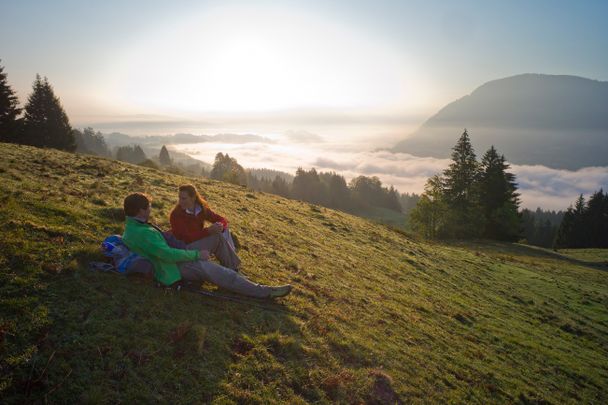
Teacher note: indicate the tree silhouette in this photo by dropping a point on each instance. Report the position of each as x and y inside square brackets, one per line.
[228, 169]
[163, 157]
[460, 190]
[9, 110]
[280, 186]
[498, 198]
[586, 224]
[307, 186]
[131, 153]
[45, 123]
[89, 141]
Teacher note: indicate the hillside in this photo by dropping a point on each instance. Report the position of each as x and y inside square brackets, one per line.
[376, 316]
[556, 121]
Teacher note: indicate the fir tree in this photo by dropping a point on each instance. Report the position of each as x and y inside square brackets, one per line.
[9, 110]
[596, 220]
[163, 157]
[498, 198]
[461, 179]
[564, 233]
[45, 123]
[392, 199]
[572, 231]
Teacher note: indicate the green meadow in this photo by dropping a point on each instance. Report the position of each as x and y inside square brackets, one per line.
[376, 315]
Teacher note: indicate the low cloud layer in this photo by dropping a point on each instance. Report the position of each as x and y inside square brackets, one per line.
[539, 186]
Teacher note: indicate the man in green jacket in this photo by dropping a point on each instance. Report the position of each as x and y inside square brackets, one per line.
[171, 265]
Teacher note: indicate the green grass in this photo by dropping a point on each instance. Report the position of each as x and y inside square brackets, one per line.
[598, 256]
[375, 316]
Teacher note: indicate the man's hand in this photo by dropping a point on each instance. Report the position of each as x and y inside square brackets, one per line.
[216, 228]
[204, 255]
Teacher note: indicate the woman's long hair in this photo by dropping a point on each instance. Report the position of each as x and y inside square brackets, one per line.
[192, 192]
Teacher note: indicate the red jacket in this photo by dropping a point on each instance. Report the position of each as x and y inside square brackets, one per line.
[189, 227]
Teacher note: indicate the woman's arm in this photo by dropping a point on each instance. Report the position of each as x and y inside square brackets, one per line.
[213, 218]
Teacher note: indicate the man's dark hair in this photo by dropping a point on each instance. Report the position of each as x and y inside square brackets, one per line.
[135, 202]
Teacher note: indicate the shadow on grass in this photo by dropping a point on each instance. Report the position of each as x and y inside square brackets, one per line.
[138, 343]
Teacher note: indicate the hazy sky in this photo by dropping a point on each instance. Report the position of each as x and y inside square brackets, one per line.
[383, 65]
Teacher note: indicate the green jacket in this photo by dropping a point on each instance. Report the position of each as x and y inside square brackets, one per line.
[146, 241]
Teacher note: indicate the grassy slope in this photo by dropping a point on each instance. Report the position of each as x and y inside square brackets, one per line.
[374, 313]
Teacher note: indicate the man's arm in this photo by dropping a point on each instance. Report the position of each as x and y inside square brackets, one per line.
[154, 244]
[173, 242]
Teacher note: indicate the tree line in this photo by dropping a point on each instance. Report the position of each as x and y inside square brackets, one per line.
[540, 227]
[470, 199]
[328, 189]
[585, 225]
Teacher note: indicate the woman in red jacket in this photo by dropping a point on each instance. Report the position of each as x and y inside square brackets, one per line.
[188, 220]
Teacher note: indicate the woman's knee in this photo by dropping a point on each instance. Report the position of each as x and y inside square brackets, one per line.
[209, 242]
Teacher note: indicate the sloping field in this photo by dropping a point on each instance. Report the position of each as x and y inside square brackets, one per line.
[375, 316]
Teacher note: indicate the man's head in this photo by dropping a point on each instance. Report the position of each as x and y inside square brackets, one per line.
[137, 205]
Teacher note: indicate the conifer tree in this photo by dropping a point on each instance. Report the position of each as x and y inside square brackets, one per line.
[596, 220]
[164, 157]
[392, 199]
[461, 194]
[498, 198]
[45, 123]
[562, 240]
[572, 231]
[9, 110]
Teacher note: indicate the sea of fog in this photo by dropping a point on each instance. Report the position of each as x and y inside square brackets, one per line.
[539, 186]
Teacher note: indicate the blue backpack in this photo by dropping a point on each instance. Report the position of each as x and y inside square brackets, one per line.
[114, 247]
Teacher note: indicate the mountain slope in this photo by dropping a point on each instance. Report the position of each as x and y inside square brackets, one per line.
[557, 121]
[375, 315]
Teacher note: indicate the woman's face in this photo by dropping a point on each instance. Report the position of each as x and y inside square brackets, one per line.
[186, 201]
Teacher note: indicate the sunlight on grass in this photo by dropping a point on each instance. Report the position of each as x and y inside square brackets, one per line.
[375, 314]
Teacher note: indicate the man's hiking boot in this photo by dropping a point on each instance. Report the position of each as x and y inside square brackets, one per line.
[280, 291]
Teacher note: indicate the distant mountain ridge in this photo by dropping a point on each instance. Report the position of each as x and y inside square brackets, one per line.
[119, 139]
[554, 120]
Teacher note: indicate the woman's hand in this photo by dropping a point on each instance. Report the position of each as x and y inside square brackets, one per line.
[204, 254]
[216, 228]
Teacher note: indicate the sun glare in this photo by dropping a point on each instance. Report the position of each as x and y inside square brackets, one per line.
[249, 60]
